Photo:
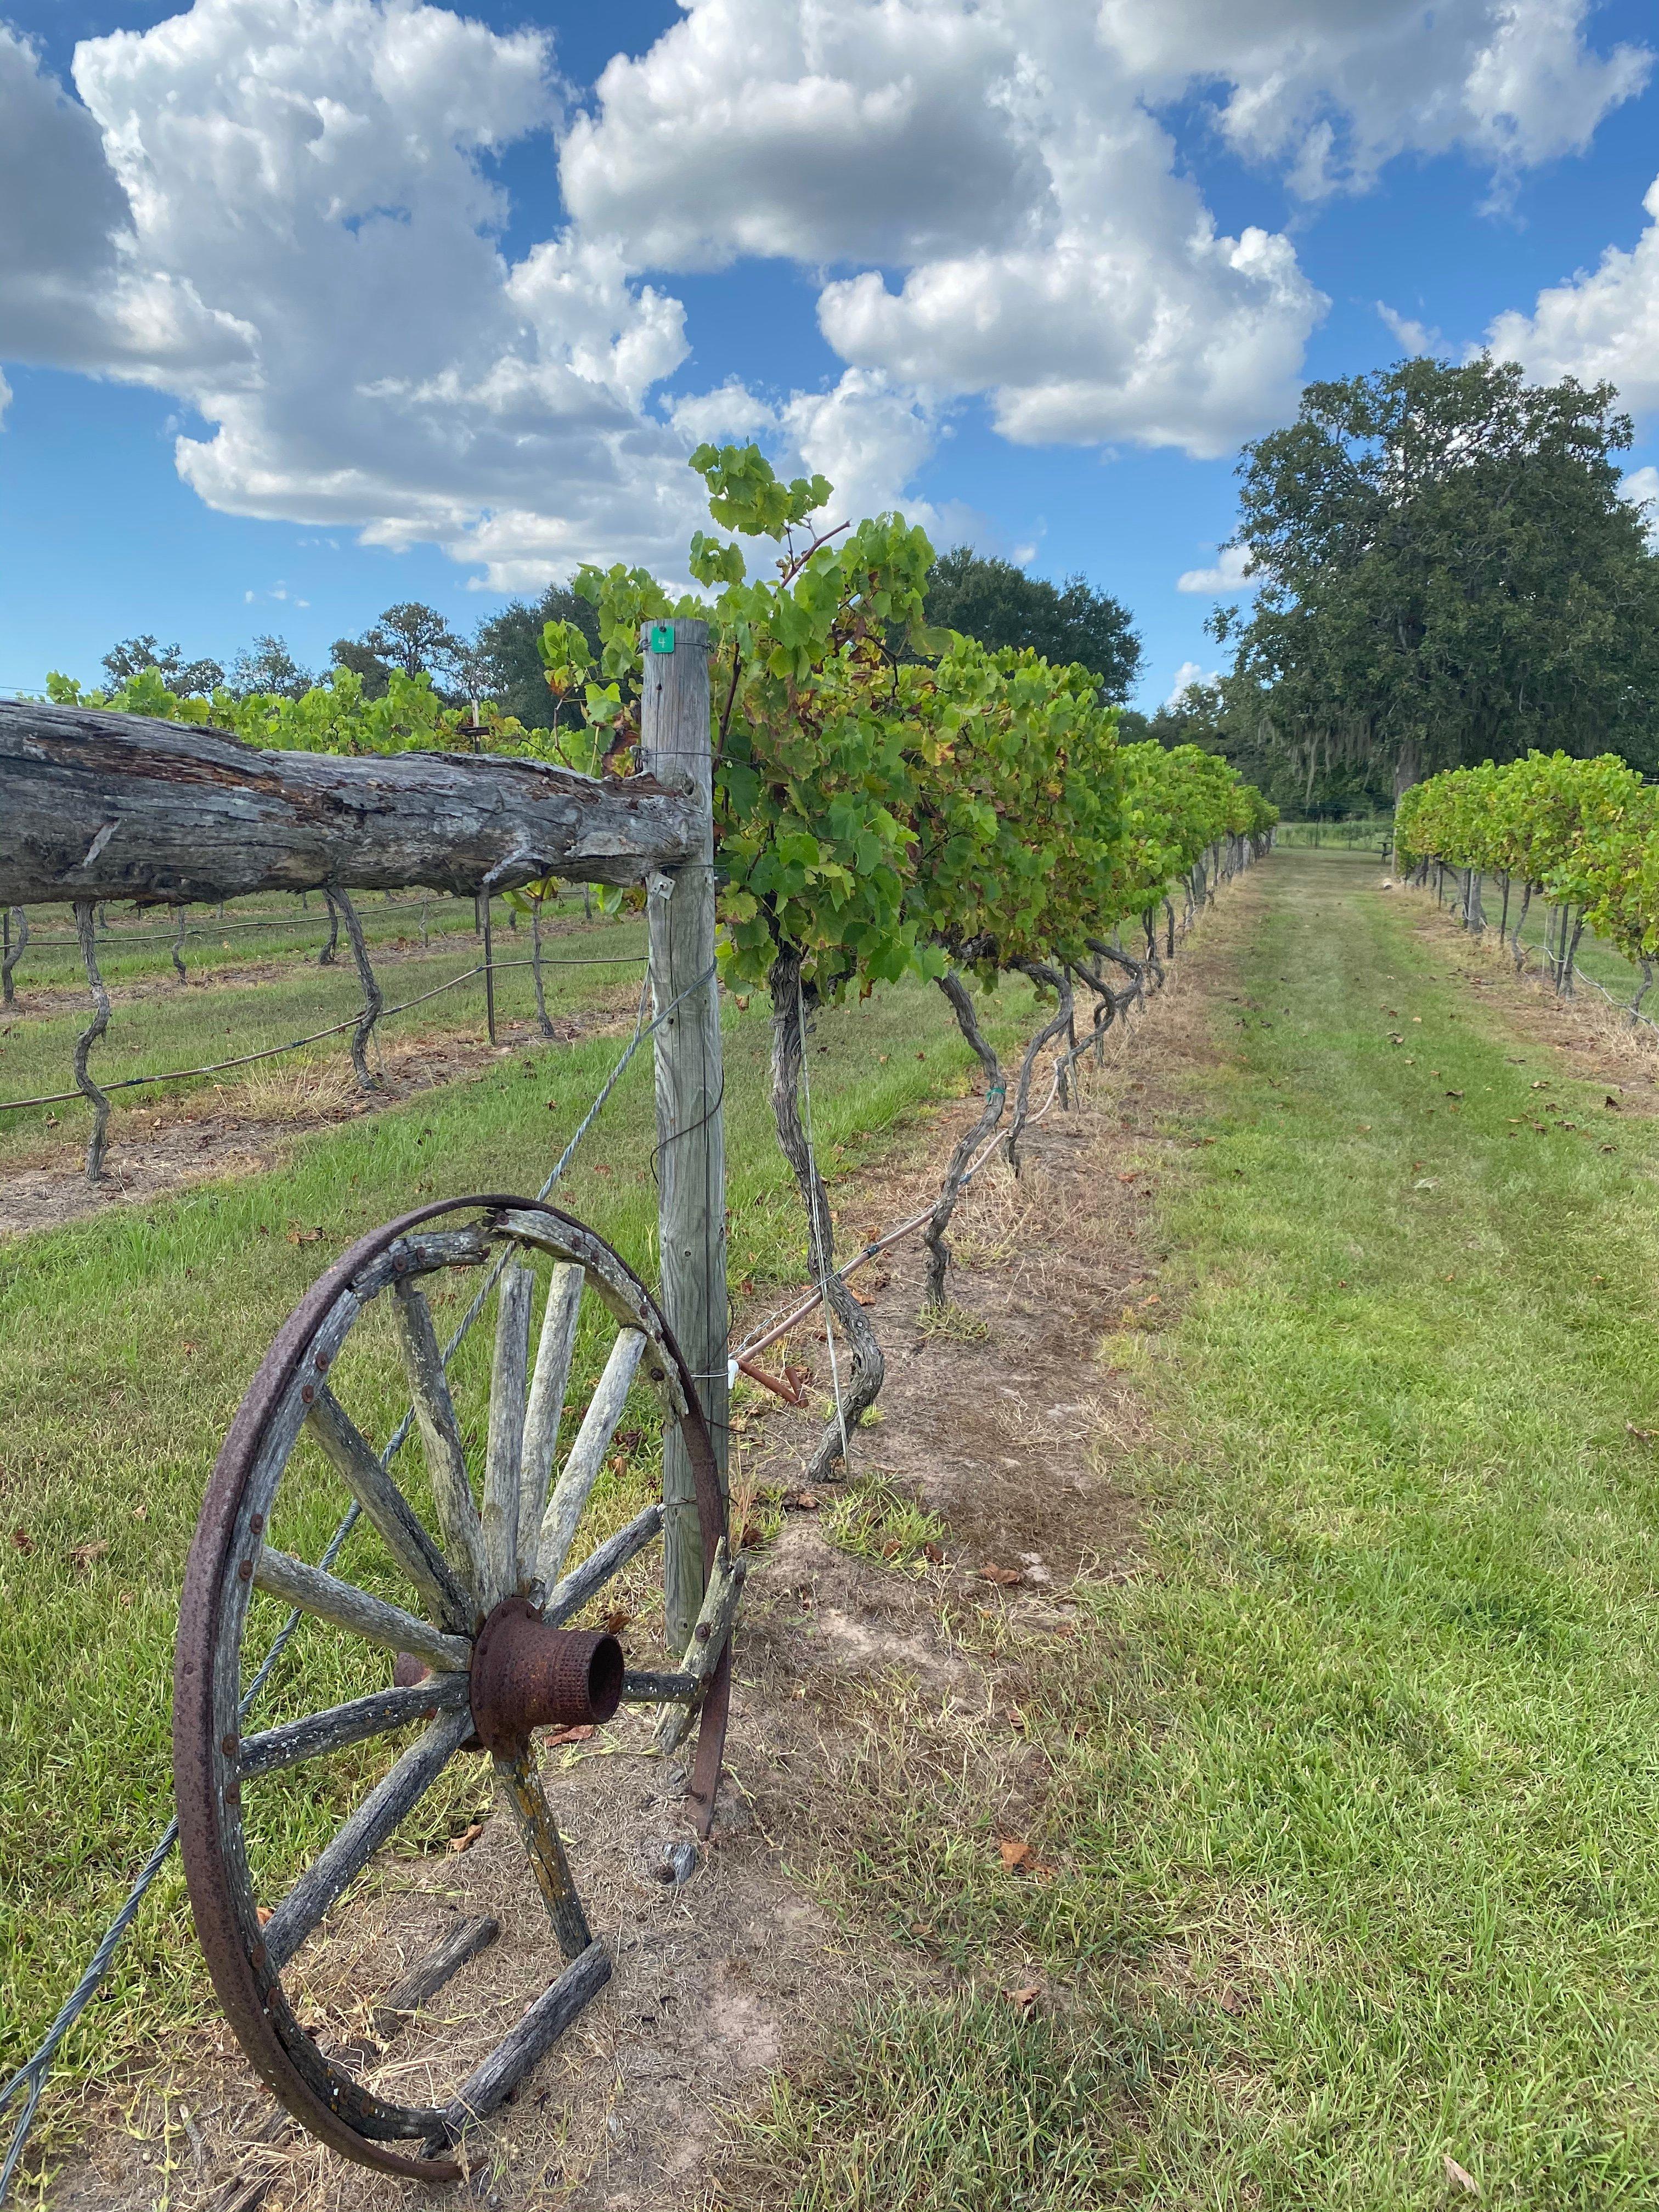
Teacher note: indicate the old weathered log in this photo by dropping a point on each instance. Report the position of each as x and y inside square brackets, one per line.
[103, 806]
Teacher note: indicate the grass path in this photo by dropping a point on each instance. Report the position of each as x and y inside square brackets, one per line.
[1355, 1794]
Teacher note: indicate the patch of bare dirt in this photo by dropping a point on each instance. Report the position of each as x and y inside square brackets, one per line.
[861, 1681]
[157, 1149]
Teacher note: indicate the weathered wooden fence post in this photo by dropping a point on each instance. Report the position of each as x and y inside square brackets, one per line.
[674, 746]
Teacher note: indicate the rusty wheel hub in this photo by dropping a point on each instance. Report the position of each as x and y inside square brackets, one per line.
[526, 1675]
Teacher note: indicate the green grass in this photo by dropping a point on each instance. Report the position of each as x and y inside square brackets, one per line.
[129, 1339]
[1355, 1796]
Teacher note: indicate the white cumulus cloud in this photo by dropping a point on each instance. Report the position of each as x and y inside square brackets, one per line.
[292, 198]
[1226, 574]
[1329, 90]
[1188, 674]
[1602, 323]
[284, 213]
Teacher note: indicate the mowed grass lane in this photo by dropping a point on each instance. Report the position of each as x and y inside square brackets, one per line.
[125, 1343]
[1355, 1795]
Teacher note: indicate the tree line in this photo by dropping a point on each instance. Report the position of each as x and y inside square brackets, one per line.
[1448, 570]
[500, 665]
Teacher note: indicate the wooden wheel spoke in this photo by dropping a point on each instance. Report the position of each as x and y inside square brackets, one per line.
[441, 1435]
[318, 1734]
[360, 1469]
[518, 1778]
[546, 1409]
[505, 1452]
[572, 1594]
[375, 1820]
[316, 1591]
[581, 1469]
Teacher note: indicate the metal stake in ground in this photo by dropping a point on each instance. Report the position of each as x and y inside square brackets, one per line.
[674, 746]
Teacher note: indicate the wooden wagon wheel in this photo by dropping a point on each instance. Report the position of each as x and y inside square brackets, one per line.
[482, 1655]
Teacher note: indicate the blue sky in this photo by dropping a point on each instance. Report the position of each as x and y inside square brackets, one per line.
[437, 301]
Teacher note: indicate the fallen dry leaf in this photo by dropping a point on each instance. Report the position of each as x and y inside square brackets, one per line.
[579, 1733]
[84, 1554]
[468, 1836]
[22, 1542]
[265, 1912]
[1004, 1577]
[1014, 1855]
[616, 1621]
[1023, 1998]
[1462, 2176]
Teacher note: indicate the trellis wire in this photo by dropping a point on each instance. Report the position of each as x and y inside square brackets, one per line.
[29, 2079]
[274, 1051]
[301, 917]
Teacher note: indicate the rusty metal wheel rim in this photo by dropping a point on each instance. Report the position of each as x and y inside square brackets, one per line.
[211, 1761]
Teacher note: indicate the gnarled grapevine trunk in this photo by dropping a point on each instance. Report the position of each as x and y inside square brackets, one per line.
[372, 999]
[960, 1001]
[859, 1390]
[86, 930]
[543, 1023]
[1054, 980]
[17, 936]
[1520, 922]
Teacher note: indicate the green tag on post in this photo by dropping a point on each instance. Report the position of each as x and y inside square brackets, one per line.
[662, 637]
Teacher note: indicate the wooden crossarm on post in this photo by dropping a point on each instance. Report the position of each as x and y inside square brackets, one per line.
[99, 805]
